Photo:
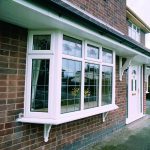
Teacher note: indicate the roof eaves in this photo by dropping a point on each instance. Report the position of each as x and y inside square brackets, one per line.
[70, 12]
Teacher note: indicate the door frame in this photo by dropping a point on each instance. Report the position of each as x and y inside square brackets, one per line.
[129, 98]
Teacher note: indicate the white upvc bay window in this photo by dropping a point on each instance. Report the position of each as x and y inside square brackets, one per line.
[67, 78]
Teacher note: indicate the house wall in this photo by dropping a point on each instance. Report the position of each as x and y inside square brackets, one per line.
[112, 12]
[73, 135]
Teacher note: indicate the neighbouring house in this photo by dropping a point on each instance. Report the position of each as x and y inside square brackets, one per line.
[71, 72]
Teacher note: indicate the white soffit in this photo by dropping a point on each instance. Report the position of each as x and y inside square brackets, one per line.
[27, 15]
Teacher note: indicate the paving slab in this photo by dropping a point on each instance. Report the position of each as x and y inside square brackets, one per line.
[135, 136]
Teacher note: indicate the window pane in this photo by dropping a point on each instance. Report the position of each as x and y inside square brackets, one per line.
[135, 85]
[132, 84]
[71, 86]
[92, 52]
[91, 85]
[106, 85]
[129, 24]
[130, 32]
[72, 46]
[39, 85]
[41, 42]
[107, 56]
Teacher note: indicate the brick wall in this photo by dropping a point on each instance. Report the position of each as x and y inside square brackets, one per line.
[73, 135]
[12, 77]
[112, 12]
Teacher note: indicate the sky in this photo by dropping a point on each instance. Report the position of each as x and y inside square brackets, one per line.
[142, 9]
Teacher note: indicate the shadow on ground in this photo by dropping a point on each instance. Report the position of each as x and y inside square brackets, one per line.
[135, 136]
[140, 141]
[130, 138]
[148, 107]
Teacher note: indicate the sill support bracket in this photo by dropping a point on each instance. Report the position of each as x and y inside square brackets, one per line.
[47, 129]
[104, 115]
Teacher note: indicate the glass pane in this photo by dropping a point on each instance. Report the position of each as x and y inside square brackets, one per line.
[72, 46]
[92, 52]
[106, 85]
[39, 85]
[129, 24]
[107, 56]
[91, 85]
[135, 85]
[134, 27]
[41, 42]
[132, 84]
[71, 86]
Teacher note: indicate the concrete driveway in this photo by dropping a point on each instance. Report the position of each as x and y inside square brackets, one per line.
[135, 136]
[148, 107]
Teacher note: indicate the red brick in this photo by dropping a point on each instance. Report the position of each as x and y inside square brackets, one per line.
[3, 95]
[3, 77]
[18, 106]
[3, 89]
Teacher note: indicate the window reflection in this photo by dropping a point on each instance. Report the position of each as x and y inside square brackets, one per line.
[39, 85]
[72, 46]
[71, 85]
[106, 85]
[107, 56]
[92, 52]
[91, 85]
[41, 42]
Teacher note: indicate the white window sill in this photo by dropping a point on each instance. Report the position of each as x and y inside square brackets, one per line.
[68, 117]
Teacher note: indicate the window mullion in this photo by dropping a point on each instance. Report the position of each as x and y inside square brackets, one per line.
[100, 85]
[82, 85]
[114, 78]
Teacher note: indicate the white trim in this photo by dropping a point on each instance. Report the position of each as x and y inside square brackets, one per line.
[82, 76]
[28, 87]
[85, 32]
[142, 91]
[123, 67]
[128, 121]
[139, 90]
[69, 116]
[99, 60]
[54, 100]
[31, 33]
[57, 74]
[114, 79]
[76, 26]
[38, 55]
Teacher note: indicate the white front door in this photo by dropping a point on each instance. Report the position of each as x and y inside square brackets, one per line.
[134, 103]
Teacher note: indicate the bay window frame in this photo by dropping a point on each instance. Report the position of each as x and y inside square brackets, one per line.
[113, 65]
[43, 55]
[55, 56]
[94, 61]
